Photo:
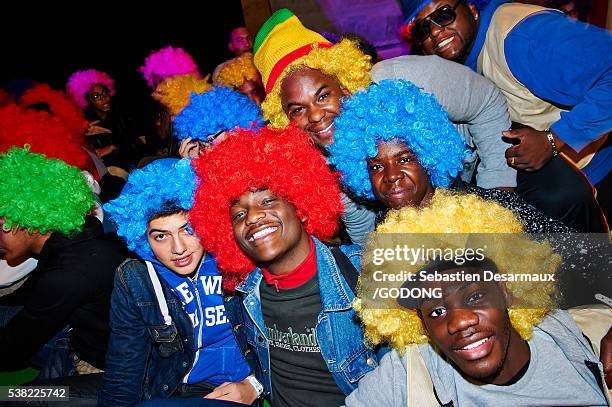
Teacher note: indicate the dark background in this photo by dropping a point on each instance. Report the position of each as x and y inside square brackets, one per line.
[46, 43]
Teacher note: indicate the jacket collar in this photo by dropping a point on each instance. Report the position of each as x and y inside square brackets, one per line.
[333, 289]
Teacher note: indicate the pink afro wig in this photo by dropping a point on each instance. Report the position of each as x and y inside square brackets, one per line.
[56, 133]
[80, 82]
[167, 62]
[283, 160]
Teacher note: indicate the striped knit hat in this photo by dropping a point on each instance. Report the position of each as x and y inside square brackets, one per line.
[281, 40]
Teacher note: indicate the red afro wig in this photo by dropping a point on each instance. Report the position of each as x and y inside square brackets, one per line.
[49, 122]
[283, 160]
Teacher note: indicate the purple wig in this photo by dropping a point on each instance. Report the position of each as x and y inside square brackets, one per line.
[166, 62]
[80, 82]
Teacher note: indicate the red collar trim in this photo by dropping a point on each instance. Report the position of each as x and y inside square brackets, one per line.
[298, 276]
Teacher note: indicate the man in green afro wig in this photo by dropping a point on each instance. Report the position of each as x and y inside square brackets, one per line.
[45, 207]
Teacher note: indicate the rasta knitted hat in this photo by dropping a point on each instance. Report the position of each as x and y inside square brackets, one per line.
[281, 40]
[284, 45]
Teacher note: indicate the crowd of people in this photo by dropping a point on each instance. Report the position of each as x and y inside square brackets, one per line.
[233, 261]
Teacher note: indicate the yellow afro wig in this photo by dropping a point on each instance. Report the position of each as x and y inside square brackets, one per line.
[235, 72]
[343, 61]
[174, 92]
[441, 224]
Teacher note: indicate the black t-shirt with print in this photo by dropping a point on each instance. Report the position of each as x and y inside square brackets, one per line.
[300, 376]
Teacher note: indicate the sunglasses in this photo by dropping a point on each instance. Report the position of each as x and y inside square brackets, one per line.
[441, 17]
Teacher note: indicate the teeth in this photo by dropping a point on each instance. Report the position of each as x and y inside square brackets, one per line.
[325, 129]
[475, 344]
[446, 41]
[262, 233]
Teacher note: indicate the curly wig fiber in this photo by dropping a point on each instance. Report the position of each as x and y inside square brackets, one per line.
[145, 194]
[343, 61]
[394, 110]
[80, 82]
[55, 131]
[497, 230]
[166, 62]
[219, 109]
[286, 162]
[175, 92]
[235, 72]
[42, 195]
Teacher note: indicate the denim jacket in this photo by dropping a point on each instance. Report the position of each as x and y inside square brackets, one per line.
[338, 329]
[146, 358]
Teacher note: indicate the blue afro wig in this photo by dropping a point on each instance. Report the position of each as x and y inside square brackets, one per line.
[218, 109]
[394, 110]
[165, 183]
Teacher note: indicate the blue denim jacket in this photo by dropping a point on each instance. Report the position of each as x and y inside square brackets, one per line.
[338, 329]
[146, 358]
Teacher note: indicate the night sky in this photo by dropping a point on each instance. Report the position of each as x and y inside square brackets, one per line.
[51, 44]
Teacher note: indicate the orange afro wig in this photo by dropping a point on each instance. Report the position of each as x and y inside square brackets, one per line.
[286, 162]
[49, 122]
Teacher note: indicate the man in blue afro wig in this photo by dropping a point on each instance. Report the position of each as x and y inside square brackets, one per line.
[168, 317]
[395, 110]
[210, 114]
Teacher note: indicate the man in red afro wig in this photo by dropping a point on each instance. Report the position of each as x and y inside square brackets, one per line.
[283, 161]
[265, 200]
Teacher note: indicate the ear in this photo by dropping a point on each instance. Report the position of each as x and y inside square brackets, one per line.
[474, 11]
[304, 219]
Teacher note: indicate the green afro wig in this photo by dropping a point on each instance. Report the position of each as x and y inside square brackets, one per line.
[42, 195]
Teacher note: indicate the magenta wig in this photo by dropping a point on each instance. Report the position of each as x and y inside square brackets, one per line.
[80, 82]
[283, 160]
[167, 62]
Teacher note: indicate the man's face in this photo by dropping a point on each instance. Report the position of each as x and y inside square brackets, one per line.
[454, 41]
[15, 245]
[240, 41]
[397, 178]
[174, 243]
[99, 97]
[470, 325]
[269, 232]
[254, 90]
[311, 99]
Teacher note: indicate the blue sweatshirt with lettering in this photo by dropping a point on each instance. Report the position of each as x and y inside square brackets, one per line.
[217, 358]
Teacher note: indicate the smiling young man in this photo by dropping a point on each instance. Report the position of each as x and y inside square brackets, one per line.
[475, 341]
[170, 335]
[263, 217]
[563, 101]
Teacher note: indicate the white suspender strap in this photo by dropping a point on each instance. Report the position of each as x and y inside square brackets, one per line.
[161, 300]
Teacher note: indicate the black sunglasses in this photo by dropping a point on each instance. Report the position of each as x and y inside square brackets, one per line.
[441, 17]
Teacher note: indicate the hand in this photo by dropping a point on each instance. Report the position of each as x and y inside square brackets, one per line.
[101, 152]
[94, 129]
[190, 148]
[239, 392]
[532, 152]
[605, 356]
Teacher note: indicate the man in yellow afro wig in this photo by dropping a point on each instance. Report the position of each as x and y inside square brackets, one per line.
[469, 339]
